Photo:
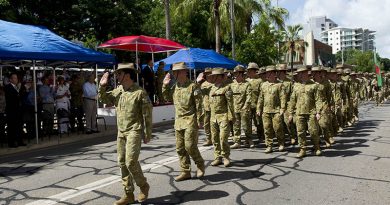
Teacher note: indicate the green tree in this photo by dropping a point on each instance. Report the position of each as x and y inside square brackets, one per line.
[293, 42]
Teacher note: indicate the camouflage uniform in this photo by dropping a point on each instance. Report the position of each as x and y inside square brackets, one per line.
[255, 86]
[306, 102]
[134, 119]
[222, 112]
[241, 99]
[187, 99]
[159, 83]
[205, 88]
[271, 102]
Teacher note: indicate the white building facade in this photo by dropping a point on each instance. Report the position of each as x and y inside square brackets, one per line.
[317, 25]
[346, 38]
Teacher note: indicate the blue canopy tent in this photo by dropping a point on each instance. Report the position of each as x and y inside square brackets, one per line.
[36, 45]
[197, 58]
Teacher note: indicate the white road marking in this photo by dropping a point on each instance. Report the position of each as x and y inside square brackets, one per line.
[63, 196]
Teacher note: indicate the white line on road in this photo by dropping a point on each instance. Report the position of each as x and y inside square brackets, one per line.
[63, 196]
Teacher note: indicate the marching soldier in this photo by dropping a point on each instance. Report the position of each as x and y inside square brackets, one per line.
[134, 120]
[287, 85]
[187, 98]
[222, 113]
[255, 83]
[355, 96]
[205, 87]
[242, 102]
[337, 101]
[271, 107]
[326, 97]
[306, 102]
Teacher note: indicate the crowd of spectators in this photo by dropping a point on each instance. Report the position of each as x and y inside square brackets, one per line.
[66, 102]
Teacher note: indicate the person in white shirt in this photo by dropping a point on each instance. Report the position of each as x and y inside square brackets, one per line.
[62, 103]
[90, 108]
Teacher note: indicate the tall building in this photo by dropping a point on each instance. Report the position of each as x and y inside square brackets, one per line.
[317, 25]
[346, 38]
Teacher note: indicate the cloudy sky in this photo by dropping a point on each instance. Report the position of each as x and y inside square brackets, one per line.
[371, 14]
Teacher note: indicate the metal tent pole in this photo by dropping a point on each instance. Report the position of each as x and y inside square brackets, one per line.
[136, 62]
[35, 102]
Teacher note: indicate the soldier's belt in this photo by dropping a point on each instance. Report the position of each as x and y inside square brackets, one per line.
[236, 93]
[214, 95]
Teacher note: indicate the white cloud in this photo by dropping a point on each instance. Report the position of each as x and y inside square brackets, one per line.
[371, 14]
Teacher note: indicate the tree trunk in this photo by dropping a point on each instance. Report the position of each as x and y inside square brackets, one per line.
[217, 3]
[167, 22]
[292, 47]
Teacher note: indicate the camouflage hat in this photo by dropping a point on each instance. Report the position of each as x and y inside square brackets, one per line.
[333, 70]
[261, 70]
[226, 71]
[339, 66]
[282, 67]
[218, 71]
[301, 68]
[125, 66]
[353, 73]
[208, 70]
[253, 66]
[239, 68]
[347, 71]
[270, 68]
[316, 69]
[340, 71]
[179, 66]
[326, 69]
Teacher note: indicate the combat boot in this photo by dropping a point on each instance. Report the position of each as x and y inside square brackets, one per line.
[207, 143]
[281, 148]
[331, 140]
[317, 150]
[144, 192]
[327, 144]
[268, 150]
[340, 129]
[293, 141]
[126, 199]
[235, 146]
[216, 162]
[183, 176]
[226, 162]
[251, 144]
[302, 153]
[201, 170]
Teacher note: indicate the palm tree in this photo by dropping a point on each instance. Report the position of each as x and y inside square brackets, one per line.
[217, 19]
[167, 20]
[293, 43]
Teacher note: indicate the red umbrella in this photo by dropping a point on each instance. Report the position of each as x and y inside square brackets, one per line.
[146, 44]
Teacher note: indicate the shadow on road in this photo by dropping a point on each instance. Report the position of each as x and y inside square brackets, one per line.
[178, 197]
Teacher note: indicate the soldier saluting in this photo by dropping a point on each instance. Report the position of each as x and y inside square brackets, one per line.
[187, 98]
[134, 112]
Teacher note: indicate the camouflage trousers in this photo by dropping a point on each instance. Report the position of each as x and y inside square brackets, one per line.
[273, 127]
[241, 124]
[129, 147]
[186, 147]
[326, 126]
[339, 117]
[206, 124]
[307, 123]
[257, 121]
[291, 127]
[220, 134]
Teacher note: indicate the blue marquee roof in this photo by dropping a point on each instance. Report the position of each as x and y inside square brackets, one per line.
[197, 58]
[28, 42]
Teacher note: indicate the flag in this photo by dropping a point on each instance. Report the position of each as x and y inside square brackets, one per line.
[378, 72]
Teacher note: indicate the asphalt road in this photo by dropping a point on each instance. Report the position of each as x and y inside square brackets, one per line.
[356, 170]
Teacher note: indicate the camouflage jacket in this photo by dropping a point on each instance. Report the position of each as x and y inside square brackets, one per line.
[255, 85]
[133, 108]
[325, 93]
[205, 87]
[221, 103]
[242, 93]
[305, 99]
[272, 98]
[187, 99]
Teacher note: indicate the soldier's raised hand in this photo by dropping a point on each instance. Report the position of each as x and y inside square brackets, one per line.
[104, 79]
[167, 79]
[200, 78]
[318, 116]
[290, 118]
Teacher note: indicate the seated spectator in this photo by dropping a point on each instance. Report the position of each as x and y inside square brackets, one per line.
[90, 108]
[62, 104]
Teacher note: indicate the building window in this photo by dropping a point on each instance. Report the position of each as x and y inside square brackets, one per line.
[338, 49]
[322, 29]
[330, 44]
[322, 25]
[337, 32]
[337, 43]
[330, 38]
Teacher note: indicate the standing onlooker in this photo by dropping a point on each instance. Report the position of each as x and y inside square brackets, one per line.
[2, 116]
[46, 94]
[62, 104]
[76, 103]
[13, 111]
[29, 109]
[148, 79]
[159, 82]
[90, 107]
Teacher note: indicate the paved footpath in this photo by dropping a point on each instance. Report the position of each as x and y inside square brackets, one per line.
[356, 170]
